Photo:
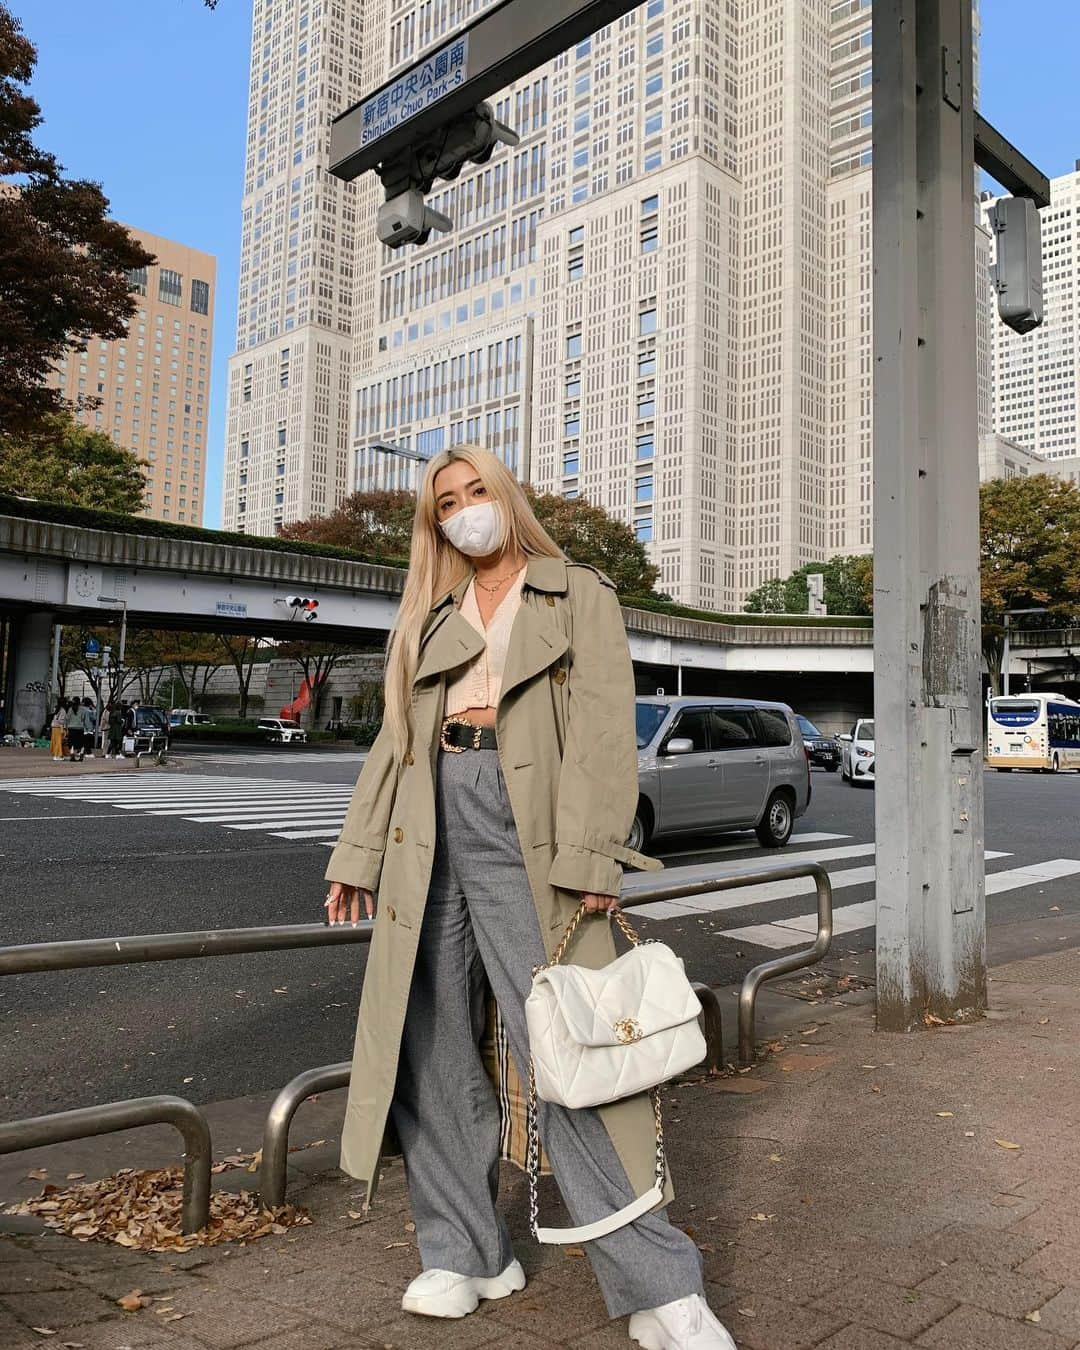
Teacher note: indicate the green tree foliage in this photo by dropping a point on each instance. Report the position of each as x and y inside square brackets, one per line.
[63, 264]
[380, 524]
[1030, 547]
[849, 588]
[62, 461]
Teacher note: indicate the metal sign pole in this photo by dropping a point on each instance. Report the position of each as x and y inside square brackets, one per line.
[931, 927]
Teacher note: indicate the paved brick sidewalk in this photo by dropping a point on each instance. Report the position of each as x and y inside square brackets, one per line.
[849, 1194]
[40, 764]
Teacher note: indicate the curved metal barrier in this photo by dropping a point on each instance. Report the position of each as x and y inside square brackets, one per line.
[92, 952]
[63, 1126]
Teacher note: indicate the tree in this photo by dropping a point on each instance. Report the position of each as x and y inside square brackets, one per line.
[63, 264]
[62, 461]
[589, 535]
[849, 588]
[242, 652]
[317, 661]
[1030, 548]
[377, 524]
[196, 658]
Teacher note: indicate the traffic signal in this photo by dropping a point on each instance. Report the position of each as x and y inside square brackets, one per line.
[304, 604]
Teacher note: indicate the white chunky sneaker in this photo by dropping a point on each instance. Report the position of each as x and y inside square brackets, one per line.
[686, 1324]
[441, 1293]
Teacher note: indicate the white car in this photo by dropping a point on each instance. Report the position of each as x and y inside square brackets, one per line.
[282, 731]
[857, 754]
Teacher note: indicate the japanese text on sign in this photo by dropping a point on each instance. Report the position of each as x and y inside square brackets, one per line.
[435, 77]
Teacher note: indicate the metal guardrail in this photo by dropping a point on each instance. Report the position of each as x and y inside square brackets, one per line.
[93, 952]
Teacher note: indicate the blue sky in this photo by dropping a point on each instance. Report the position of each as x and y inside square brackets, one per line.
[173, 75]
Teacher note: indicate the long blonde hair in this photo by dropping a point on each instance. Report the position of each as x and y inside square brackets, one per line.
[436, 566]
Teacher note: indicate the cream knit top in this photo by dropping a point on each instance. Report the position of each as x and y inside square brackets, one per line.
[478, 683]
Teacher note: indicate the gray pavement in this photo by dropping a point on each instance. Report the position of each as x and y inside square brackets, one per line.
[855, 1191]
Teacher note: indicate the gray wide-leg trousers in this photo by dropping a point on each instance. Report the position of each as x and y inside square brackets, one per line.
[480, 927]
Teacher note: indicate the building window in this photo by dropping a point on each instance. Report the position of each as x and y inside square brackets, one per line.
[645, 445]
[570, 462]
[281, 436]
[575, 269]
[245, 448]
[646, 364]
[643, 529]
[643, 486]
[137, 280]
[200, 297]
[572, 425]
[646, 407]
[654, 124]
[646, 322]
[654, 46]
[573, 386]
[170, 286]
[650, 236]
[573, 344]
[247, 383]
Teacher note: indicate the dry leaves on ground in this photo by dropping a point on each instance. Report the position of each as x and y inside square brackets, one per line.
[143, 1211]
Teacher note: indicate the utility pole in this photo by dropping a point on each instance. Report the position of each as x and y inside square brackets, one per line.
[931, 925]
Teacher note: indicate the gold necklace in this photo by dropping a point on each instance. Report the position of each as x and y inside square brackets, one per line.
[492, 586]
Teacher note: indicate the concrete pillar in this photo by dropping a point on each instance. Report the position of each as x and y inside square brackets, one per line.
[33, 653]
[931, 925]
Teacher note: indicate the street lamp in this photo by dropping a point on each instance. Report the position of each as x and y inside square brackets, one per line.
[1005, 653]
[399, 452]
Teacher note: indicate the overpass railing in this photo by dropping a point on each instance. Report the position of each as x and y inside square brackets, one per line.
[104, 1118]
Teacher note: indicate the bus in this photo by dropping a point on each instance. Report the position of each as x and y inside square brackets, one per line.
[1033, 731]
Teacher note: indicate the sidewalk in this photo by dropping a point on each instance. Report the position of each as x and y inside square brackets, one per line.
[853, 1192]
[40, 764]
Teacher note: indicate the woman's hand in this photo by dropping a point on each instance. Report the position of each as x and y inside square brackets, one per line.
[343, 903]
[598, 904]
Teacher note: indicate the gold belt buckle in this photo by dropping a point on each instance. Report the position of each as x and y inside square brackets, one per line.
[459, 722]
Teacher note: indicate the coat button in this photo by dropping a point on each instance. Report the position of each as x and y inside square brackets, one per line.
[391, 913]
[399, 835]
[408, 757]
[549, 600]
[560, 676]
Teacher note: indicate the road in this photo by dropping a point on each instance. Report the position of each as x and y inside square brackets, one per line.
[238, 839]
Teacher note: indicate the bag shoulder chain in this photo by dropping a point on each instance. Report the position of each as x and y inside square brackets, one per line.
[532, 1147]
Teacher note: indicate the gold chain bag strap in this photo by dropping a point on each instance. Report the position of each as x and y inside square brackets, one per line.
[596, 1036]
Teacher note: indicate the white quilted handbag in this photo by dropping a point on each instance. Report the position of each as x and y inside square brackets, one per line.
[596, 1036]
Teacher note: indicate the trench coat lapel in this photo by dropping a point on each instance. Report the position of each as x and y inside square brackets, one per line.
[535, 643]
[451, 641]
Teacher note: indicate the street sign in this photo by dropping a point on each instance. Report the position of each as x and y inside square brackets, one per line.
[425, 84]
[231, 609]
[93, 647]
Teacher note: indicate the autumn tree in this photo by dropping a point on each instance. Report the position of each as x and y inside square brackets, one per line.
[849, 588]
[1030, 547]
[379, 524]
[242, 654]
[316, 661]
[196, 658]
[60, 460]
[63, 264]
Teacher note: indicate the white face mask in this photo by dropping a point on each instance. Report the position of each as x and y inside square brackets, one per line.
[475, 530]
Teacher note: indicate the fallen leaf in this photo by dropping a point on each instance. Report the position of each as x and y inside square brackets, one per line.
[969, 1134]
[190, 1078]
[747, 1312]
[575, 1251]
[762, 1218]
[1055, 909]
[1035, 1316]
[391, 1245]
[38, 1174]
[776, 1157]
[177, 1317]
[1044, 1021]
[1004, 1143]
[75, 1176]
[945, 1115]
[281, 991]
[354, 1214]
[134, 1301]
[410, 1227]
[45, 1331]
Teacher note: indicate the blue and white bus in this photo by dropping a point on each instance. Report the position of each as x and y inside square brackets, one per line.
[1033, 731]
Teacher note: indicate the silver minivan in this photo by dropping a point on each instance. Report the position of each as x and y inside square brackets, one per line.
[719, 764]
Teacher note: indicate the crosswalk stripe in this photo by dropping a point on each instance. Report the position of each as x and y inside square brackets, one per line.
[309, 834]
[850, 918]
[750, 841]
[764, 892]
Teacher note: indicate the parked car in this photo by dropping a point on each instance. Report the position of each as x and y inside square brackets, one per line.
[858, 761]
[719, 764]
[188, 717]
[821, 749]
[282, 731]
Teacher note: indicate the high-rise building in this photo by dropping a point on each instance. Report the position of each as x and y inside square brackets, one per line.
[1036, 384]
[151, 387]
[286, 438]
[660, 299]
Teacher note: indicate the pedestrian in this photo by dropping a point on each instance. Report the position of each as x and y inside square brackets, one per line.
[496, 799]
[57, 727]
[75, 730]
[89, 727]
[115, 730]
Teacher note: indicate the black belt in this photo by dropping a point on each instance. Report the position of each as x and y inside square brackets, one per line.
[457, 736]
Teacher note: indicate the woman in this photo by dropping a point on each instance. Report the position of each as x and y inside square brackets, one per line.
[497, 796]
[115, 729]
[57, 727]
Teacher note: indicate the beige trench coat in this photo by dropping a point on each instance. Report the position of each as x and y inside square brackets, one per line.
[568, 750]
